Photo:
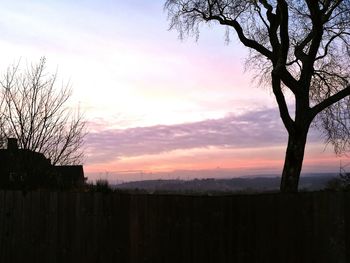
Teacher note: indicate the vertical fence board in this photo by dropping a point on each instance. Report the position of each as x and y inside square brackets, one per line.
[2, 224]
[347, 225]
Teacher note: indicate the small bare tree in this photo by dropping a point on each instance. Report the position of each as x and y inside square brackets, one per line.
[34, 111]
[302, 46]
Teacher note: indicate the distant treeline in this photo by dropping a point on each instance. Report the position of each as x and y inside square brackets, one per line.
[222, 186]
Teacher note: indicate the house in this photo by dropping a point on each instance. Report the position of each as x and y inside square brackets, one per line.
[22, 167]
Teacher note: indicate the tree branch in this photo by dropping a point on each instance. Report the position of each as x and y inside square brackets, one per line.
[330, 100]
[246, 41]
[282, 105]
[284, 34]
[239, 30]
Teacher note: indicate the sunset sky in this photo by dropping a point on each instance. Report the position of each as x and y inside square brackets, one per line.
[156, 106]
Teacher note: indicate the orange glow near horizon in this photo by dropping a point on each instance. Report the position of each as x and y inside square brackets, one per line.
[240, 162]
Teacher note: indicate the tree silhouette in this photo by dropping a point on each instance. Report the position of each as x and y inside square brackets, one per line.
[34, 111]
[298, 45]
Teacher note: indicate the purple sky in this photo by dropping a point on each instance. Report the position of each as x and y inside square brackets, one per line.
[153, 103]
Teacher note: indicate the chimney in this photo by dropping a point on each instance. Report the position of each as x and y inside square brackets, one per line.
[12, 144]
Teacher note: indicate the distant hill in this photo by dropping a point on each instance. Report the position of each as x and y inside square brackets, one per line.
[309, 182]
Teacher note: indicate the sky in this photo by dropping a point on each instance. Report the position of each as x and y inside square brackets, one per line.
[155, 106]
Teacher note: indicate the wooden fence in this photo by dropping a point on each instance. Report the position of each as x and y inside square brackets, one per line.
[86, 227]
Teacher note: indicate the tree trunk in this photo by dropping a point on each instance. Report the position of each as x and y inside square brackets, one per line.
[293, 162]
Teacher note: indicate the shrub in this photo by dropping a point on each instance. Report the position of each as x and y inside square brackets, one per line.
[101, 185]
[339, 183]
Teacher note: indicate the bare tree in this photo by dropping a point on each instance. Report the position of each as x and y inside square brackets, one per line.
[34, 111]
[298, 45]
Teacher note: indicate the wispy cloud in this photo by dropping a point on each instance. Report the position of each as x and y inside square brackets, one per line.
[253, 129]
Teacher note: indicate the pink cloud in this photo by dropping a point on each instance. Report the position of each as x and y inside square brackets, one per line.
[252, 129]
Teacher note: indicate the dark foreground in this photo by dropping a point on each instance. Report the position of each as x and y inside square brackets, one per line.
[114, 227]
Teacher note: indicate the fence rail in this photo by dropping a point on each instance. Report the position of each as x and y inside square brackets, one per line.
[94, 227]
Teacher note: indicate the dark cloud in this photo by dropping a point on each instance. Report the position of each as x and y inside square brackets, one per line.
[252, 129]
